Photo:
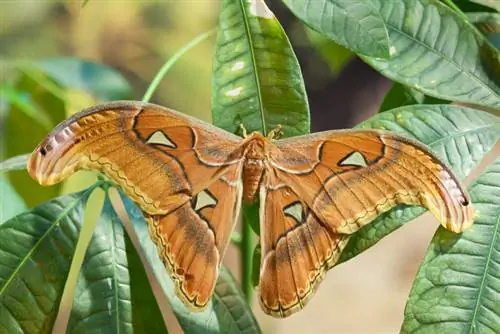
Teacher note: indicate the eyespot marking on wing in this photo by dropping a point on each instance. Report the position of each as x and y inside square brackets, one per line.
[204, 199]
[160, 138]
[296, 211]
[353, 159]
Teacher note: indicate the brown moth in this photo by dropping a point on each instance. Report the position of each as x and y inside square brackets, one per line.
[189, 178]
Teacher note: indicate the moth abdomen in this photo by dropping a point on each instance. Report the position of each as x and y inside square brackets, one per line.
[253, 170]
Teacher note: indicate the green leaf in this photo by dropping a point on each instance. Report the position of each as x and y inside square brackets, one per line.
[400, 95]
[104, 296]
[235, 316]
[257, 83]
[460, 136]
[226, 312]
[146, 314]
[435, 51]
[457, 288]
[15, 163]
[469, 6]
[256, 77]
[11, 203]
[36, 248]
[488, 3]
[101, 81]
[356, 25]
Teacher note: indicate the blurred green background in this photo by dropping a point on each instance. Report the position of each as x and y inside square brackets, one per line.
[132, 37]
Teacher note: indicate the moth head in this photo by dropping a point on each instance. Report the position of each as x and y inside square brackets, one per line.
[256, 146]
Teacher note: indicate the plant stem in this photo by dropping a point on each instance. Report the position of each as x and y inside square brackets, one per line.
[171, 62]
[246, 255]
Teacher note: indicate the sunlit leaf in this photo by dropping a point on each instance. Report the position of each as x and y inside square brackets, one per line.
[256, 77]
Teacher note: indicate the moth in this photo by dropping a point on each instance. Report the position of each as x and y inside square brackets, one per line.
[190, 178]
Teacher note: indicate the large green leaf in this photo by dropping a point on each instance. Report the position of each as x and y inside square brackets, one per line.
[104, 296]
[357, 25]
[256, 77]
[457, 289]
[460, 136]
[101, 299]
[36, 249]
[11, 203]
[437, 52]
[227, 311]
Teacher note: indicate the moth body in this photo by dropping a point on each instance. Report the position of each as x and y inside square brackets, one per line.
[253, 165]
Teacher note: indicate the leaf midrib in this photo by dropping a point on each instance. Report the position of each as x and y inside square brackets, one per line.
[254, 64]
[459, 134]
[115, 274]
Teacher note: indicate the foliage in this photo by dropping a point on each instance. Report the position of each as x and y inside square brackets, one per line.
[436, 56]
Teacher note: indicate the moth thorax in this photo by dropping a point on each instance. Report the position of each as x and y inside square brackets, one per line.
[253, 169]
